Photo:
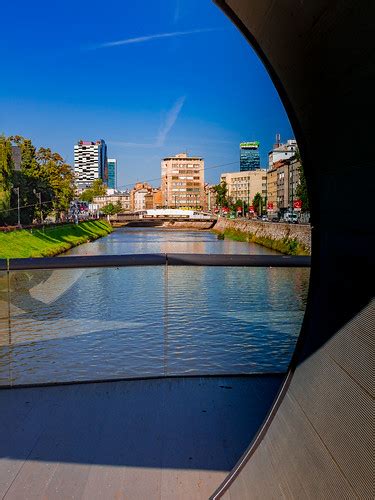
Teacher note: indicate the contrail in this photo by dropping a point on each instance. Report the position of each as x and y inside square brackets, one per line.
[170, 120]
[148, 38]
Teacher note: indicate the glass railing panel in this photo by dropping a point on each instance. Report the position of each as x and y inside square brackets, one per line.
[70, 325]
[233, 320]
[86, 324]
[4, 330]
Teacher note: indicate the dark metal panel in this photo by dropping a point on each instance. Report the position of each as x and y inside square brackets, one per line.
[159, 260]
[175, 259]
[88, 261]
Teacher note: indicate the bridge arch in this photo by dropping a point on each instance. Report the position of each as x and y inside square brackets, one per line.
[316, 442]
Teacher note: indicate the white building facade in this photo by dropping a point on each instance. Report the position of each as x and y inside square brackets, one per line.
[282, 152]
[90, 163]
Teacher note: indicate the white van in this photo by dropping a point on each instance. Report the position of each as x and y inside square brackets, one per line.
[289, 217]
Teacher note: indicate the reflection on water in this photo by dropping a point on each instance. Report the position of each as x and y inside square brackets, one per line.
[138, 321]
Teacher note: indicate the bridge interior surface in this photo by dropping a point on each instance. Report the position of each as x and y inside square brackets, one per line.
[317, 441]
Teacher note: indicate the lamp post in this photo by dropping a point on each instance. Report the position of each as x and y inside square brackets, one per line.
[39, 196]
[17, 190]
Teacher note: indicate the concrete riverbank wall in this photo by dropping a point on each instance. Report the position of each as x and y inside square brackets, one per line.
[292, 239]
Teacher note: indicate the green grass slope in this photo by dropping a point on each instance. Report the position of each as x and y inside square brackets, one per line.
[51, 241]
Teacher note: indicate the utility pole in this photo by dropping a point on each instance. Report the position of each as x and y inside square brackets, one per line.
[17, 190]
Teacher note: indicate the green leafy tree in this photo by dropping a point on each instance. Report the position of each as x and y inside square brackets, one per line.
[258, 203]
[98, 188]
[42, 172]
[301, 190]
[59, 176]
[221, 194]
[6, 169]
[112, 209]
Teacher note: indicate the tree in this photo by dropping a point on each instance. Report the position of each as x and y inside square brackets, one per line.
[221, 193]
[6, 169]
[43, 173]
[59, 177]
[97, 189]
[301, 190]
[258, 203]
[112, 209]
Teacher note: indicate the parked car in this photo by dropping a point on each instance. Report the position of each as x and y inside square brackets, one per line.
[292, 218]
[264, 218]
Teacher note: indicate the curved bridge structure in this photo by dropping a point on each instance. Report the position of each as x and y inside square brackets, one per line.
[318, 440]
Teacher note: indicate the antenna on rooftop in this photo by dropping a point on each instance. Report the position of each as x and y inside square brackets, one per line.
[278, 140]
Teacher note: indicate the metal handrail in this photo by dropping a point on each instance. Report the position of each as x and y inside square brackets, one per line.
[155, 259]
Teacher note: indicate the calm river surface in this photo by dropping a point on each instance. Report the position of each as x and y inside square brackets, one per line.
[140, 321]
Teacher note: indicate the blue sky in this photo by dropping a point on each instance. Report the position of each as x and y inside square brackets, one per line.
[151, 78]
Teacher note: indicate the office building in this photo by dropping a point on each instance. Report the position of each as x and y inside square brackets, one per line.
[90, 163]
[249, 156]
[182, 182]
[245, 185]
[112, 173]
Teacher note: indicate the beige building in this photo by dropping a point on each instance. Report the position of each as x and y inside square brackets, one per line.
[282, 182]
[245, 185]
[122, 198]
[153, 199]
[182, 183]
[138, 196]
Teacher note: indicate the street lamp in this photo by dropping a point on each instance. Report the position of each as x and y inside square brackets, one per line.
[39, 195]
[17, 190]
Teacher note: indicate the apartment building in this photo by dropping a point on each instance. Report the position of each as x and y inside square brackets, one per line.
[281, 151]
[182, 183]
[118, 197]
[245, 185]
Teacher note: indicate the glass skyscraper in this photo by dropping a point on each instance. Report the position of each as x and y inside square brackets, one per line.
[249, 156]
[112, 173]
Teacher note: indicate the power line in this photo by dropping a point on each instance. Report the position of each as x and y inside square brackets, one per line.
[27, 206]
[160, 178]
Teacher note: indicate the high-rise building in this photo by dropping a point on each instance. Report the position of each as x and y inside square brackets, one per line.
[90, 163]
[182, 183]
[112, 173]
[249, 156]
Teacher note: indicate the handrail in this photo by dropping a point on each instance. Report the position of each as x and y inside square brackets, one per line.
[155, 259]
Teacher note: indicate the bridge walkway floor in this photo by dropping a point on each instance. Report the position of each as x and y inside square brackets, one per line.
[160, 438]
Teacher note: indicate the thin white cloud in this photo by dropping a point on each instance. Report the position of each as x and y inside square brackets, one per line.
[164, 130]
[148, 38]
[170, 121]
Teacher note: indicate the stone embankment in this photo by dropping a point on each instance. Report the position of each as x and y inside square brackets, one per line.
[188, 224]
[291, 239]
[197, 225]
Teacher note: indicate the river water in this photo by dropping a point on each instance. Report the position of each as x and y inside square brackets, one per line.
[148, 321]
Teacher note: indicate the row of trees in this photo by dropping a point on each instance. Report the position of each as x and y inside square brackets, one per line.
[44, 183]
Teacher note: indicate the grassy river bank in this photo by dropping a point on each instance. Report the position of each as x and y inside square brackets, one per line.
[26, 243]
